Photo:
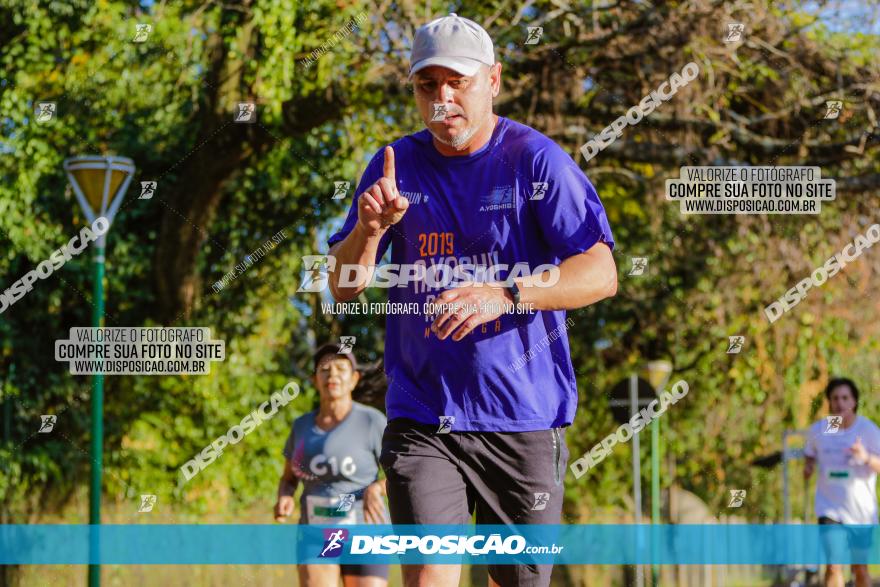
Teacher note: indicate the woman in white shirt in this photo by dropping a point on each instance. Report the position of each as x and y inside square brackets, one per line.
[846, 448]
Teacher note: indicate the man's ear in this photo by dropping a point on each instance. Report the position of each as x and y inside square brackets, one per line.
[495, 78]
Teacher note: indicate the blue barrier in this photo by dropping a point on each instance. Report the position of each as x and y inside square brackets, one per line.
[745, 544]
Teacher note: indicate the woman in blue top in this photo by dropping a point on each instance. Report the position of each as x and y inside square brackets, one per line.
[326, 452]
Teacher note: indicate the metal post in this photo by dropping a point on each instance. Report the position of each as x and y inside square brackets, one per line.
[637, 472]
[97, 420]
[94, 205]
[655, 490]
[7, 406]
[786, 499]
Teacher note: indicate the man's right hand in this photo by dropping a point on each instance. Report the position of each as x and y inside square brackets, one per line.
[381, 205]
[283, 508]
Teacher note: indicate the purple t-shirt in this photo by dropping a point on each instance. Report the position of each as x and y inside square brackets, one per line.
[513, 374]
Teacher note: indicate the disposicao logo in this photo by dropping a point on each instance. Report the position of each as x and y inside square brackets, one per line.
[334, 541]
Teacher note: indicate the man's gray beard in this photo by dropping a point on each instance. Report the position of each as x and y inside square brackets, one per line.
[458, 141]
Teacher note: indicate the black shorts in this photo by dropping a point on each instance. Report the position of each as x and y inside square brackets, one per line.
[307, 549]
[506, 477]
[365, 571]
[374, 570]
[849, 543]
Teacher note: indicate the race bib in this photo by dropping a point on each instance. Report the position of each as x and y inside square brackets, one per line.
[326, 510]
[838, 475]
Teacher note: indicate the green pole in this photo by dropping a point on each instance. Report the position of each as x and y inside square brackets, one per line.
[7, 406]
[97, 418]
[655, 488]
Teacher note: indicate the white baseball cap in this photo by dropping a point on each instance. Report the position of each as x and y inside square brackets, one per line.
[454, 42]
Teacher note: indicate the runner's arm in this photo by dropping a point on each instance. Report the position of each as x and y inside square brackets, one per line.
[864, 456]
[378, 207]
[358, 248]
[872, 447]
[285, 504]
[867, 452]
[584, 279]
[374, 506]
[809, 465]
[874, 462]
[287, 485]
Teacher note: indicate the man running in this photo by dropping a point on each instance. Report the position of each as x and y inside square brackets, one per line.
[478, 395]
[847, 448]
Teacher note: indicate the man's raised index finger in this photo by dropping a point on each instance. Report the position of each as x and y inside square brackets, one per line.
[389, 163]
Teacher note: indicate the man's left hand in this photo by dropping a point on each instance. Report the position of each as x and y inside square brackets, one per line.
[472, 304]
